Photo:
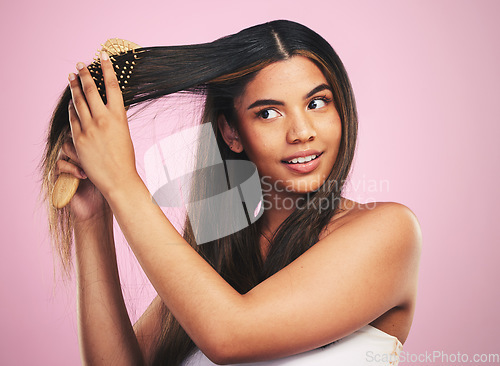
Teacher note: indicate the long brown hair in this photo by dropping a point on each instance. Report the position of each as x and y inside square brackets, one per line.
[220, 70]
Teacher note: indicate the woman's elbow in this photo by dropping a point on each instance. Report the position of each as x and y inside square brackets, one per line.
[221, 350]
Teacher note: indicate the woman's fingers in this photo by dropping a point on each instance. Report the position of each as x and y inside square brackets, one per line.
[92, 97]
[87, 101]
[63, 166]
[74, 120]
[78, 101]
[68, 161]
[113, 92]
[86, 98]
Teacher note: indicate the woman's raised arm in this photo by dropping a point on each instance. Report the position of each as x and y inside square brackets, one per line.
[106, 335]
[105, 332]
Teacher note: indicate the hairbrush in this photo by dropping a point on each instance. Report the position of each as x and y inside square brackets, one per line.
[123, 55]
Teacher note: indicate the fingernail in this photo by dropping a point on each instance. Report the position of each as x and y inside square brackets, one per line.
[104, 56]
[82, 173]
[71, 76]
[80, 65]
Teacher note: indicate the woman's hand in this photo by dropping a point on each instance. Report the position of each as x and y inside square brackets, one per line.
[100, 131]
[88, 203]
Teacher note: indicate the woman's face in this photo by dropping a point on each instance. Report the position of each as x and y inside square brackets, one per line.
[288, 125]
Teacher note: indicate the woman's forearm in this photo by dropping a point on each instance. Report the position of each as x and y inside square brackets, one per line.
[179, 274]
[105, 332]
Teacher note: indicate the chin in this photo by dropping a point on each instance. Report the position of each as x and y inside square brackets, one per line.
[304, 186]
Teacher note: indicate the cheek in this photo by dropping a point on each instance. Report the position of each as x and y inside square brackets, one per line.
[258, 143]
[330, 128]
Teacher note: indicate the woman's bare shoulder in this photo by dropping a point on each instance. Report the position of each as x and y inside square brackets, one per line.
[387, 227]
[354, 215]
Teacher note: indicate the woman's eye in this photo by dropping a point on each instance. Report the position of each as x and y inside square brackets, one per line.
[317, 103]
[268, 114]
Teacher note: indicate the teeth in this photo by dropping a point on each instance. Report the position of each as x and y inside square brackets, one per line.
[302, 160]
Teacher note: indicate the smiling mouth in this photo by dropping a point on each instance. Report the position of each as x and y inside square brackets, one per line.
[302, 160]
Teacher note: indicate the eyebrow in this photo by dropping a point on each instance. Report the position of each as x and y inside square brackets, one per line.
[264, 102]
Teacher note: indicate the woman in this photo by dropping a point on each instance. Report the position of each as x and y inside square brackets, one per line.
[301, 277]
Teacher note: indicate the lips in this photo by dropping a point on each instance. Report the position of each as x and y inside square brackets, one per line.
[303, 161]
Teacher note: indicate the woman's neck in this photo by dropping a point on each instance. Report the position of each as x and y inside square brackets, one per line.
[278, 206]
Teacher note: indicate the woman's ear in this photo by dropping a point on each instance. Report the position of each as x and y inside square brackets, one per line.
[229, 134]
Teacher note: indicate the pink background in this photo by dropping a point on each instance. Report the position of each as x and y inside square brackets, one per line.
[426, 78]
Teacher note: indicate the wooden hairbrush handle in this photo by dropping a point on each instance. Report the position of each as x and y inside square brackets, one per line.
[64, 189]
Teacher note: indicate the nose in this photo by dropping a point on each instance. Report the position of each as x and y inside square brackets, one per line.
[300, 129]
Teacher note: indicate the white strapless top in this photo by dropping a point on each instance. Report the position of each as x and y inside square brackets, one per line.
[366, 346]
